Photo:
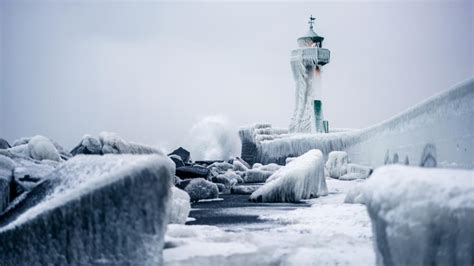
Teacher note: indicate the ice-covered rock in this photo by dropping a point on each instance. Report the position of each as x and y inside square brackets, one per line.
[244, 189]
[421, 216]
[256, 176]
[256, 165]
[337, 163]
[200, 188]
[239, 166]
[192, 171]
[221, 187]
[356, 171]
[114, 144]
[221, 167]
[222, 179]
[4, 144]
[20, 151]
[6, 173]
[41, 148]
[302, 179]
[179, 207]
[88, 145]
[92, 210]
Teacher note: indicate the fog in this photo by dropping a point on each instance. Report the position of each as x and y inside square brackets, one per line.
[149, 71]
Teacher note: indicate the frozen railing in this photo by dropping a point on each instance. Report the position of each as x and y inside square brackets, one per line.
[316, 55]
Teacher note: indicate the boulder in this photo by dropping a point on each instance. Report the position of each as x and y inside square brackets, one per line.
[237, 165]
[88, 145]
[256, 176]
[180, 207]
[41, 148]
[4, 144]
[195, 171]
[242, 161]
[272, 167]
[337, 163]
[200, 188]
[183, 153]
[183, 183]
[92, 210]
[302, 179]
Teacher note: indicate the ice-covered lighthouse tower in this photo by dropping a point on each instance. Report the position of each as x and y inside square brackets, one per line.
[306, 63]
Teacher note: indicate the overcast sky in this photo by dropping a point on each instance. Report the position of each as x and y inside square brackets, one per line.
[149, 71]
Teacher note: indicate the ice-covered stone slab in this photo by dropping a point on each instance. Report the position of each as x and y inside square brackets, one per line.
[421, 216]
[303, 178]
[92, 210]
[180, 206]
[337, 163]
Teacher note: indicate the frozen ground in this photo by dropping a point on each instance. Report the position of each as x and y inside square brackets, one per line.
[322, 231]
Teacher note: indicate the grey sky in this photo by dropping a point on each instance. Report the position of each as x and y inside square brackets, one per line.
[149, 70]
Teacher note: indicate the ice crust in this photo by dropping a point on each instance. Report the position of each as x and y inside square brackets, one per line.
[108, 209]
[421, 216]
[444, 122]
[303, 178]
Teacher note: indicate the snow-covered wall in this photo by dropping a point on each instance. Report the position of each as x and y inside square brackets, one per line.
[442, 128]
[109, 209]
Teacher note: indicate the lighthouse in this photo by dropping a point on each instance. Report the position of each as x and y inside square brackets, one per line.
[306, 63]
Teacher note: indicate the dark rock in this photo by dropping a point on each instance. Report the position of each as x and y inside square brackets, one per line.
[6, 175]
[195, 171]
[183, 153]
[4, 144]
[177, 160]
[183, 183]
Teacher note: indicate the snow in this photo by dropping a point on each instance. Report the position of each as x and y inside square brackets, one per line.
[444, 122]
[121, 202]
[179, 207]
[41, 148]
[303, 178]
[336, 164]
[327, 233]
[421, 216]
[200, 188]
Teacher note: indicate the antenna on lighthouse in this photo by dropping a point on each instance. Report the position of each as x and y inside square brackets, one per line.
[311, 21]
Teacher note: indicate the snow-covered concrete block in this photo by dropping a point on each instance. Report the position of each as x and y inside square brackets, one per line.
[302, 179]
[256, 176]
[200, 188]
[337, 163]
[421, 216]
[92, 210]
[180, 206]
[41, 148]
